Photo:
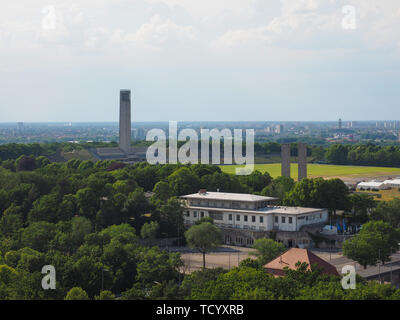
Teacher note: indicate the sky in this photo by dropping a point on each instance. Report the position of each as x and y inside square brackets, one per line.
[200, 60]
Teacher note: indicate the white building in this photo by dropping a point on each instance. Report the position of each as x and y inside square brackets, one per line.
[378, 185]
[394, 183]
[249, 212]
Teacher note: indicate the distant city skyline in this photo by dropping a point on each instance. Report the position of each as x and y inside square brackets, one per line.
[214, 60]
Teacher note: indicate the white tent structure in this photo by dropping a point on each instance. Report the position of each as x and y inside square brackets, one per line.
[372, 185]
[394, 183]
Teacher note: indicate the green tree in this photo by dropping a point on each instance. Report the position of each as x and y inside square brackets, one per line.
[267, 249]
[374, 243]
[256, 180]
[388, 211]
[197, 280]
[361, 249]
[86, 165]
[150, 230]
[170, 217]
[156, 265]
[337, 154]
[38, 235]
[77, 293]
[10, 224]
[25, 163]
[204, 237]
[319, 193]
[87, 202]
[136, 205]
[162, 190]
[44, 209]
[4, 202]
[183, 181]
[361, 204]
[279, 187]
[205, 219]
[105, 295]
[80, 227]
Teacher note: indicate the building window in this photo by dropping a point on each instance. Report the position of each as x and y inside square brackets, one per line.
[283, 219]
[201, 214]
[290, 219]
[216, 215]
[261, 219]
[195, 214]
[238, 218]
[245, 218]
[253, 218]
[276, 220]
[230, 217]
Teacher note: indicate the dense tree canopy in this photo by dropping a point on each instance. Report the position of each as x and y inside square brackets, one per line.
[86, 218]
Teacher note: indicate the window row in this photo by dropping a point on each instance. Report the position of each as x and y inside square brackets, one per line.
[223, 204]
[230, 217]
[195, 214]
[283, 219]
[245, 218]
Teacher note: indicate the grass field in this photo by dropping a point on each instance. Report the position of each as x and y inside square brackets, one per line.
[385, 194]
[347, 173]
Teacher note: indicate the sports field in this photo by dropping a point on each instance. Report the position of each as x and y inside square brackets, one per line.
[346, 173]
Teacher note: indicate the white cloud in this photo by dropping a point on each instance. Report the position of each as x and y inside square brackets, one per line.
[160, 32]
[315, 23]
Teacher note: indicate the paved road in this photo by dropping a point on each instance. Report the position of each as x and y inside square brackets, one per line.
[371, 271]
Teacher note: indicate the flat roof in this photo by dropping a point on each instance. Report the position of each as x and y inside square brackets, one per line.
[371, 183]
[392, 181]
[228, 196]
[296, 210]
[267, 210]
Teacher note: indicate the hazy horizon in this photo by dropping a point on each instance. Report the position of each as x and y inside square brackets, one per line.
[190, 121]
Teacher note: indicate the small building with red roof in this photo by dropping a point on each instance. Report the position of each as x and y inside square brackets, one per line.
[290, 258]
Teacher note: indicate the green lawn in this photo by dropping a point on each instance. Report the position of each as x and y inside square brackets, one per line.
[322, 170]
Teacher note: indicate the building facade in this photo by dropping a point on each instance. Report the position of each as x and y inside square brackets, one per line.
[245, 217]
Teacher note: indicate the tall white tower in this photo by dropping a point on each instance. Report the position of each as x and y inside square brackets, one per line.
[125, 120]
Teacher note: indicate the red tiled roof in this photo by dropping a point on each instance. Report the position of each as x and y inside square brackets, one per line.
[290, 257]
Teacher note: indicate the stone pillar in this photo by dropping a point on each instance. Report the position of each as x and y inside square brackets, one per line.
[302, 160]
[285, 151]
[125, 121]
